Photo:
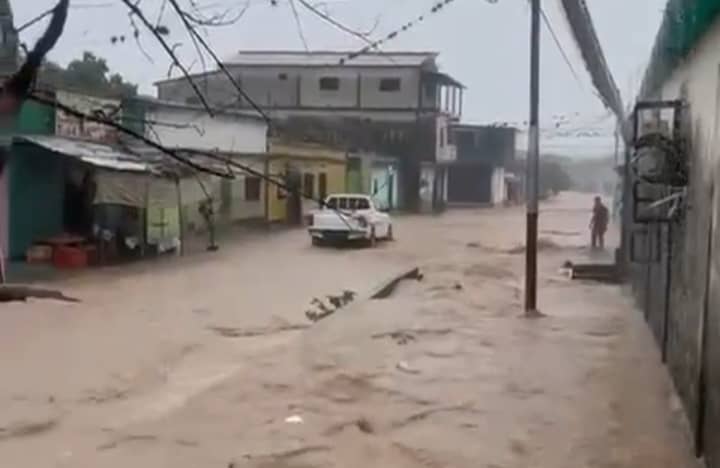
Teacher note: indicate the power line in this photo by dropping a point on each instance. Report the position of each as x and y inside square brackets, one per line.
[437, 7]
[559, 45]
[176, 156]
[299, 25]
[219, 63]
[329, 19]
[134, 10]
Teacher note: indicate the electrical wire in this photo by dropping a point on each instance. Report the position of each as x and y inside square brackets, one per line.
[135, 10]
[220, 64]
[176, 156]
[299, 25]
[437, 7]
[560, 47]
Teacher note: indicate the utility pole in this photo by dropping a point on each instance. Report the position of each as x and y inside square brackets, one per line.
[533, 165]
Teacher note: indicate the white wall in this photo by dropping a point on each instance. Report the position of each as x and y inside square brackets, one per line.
[194, 129]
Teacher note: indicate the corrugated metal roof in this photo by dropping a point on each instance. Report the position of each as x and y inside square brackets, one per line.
[684, 24]
[95, 154]
[330, 58]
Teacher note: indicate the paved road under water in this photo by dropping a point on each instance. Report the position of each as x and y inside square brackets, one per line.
[211, 362]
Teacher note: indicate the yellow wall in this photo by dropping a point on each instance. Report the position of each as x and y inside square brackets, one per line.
[334, 170]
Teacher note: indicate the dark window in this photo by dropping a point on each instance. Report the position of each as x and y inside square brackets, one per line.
[282, 76]
[329, 83]
[332, 203]
[359, 204]
[252, 188]
[390, 85]
[309, 185]
[322, 186]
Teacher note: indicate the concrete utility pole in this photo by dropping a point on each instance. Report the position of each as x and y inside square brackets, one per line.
[533, 164]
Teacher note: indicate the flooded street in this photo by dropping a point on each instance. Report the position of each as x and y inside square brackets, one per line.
[211, 362]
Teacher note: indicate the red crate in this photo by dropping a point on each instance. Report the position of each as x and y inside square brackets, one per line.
[70, 257]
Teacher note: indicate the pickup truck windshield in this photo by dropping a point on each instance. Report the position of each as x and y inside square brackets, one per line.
[348, 203]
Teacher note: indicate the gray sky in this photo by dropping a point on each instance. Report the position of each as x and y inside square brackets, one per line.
[483, 45]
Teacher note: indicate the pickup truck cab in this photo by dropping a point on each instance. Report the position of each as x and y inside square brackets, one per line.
[349, 217]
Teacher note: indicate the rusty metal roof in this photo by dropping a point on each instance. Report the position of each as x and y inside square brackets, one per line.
[95, 154]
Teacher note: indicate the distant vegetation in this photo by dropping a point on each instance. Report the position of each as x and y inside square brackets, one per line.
[561, 173]
[89, 74]
[592, 175]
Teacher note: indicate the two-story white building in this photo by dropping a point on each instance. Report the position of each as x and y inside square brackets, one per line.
[398, 89]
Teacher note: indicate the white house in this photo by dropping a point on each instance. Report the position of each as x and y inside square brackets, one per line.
[233, 134]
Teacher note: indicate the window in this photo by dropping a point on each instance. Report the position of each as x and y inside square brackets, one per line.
[322, 186]
[329, 83]
[309, 185]
[252, 188]
[332, 203]
[359, 204]
[390, 85]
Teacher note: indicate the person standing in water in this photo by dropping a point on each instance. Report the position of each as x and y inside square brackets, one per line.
[598, 224]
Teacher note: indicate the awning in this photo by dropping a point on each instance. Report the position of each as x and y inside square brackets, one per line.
[442, 79]
[95, 154]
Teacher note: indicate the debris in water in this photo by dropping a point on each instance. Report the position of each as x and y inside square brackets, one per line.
[19, 293]
[229, 332]
[323, 310]
[27, 429]
[458, 287]
[365, 426]
[294, 419]
[473, 245]
[405, 367]
[401, 337]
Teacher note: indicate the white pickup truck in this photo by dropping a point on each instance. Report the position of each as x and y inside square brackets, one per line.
[349, 217]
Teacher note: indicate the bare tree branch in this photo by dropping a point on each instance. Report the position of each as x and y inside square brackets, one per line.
[17, 87]
[127, 131]
[220, 64]
[298, 22]
[137, 12]
[329, 19]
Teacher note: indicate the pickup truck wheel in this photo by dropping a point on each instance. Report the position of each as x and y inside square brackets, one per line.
[317, 242]
[390, 235]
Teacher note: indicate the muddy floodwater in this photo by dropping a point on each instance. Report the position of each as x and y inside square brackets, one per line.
[211, 361]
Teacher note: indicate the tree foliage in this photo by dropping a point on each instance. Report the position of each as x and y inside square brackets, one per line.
[89, 74]
[553, 178]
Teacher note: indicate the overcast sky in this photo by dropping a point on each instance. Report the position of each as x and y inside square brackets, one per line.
[482, 44]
